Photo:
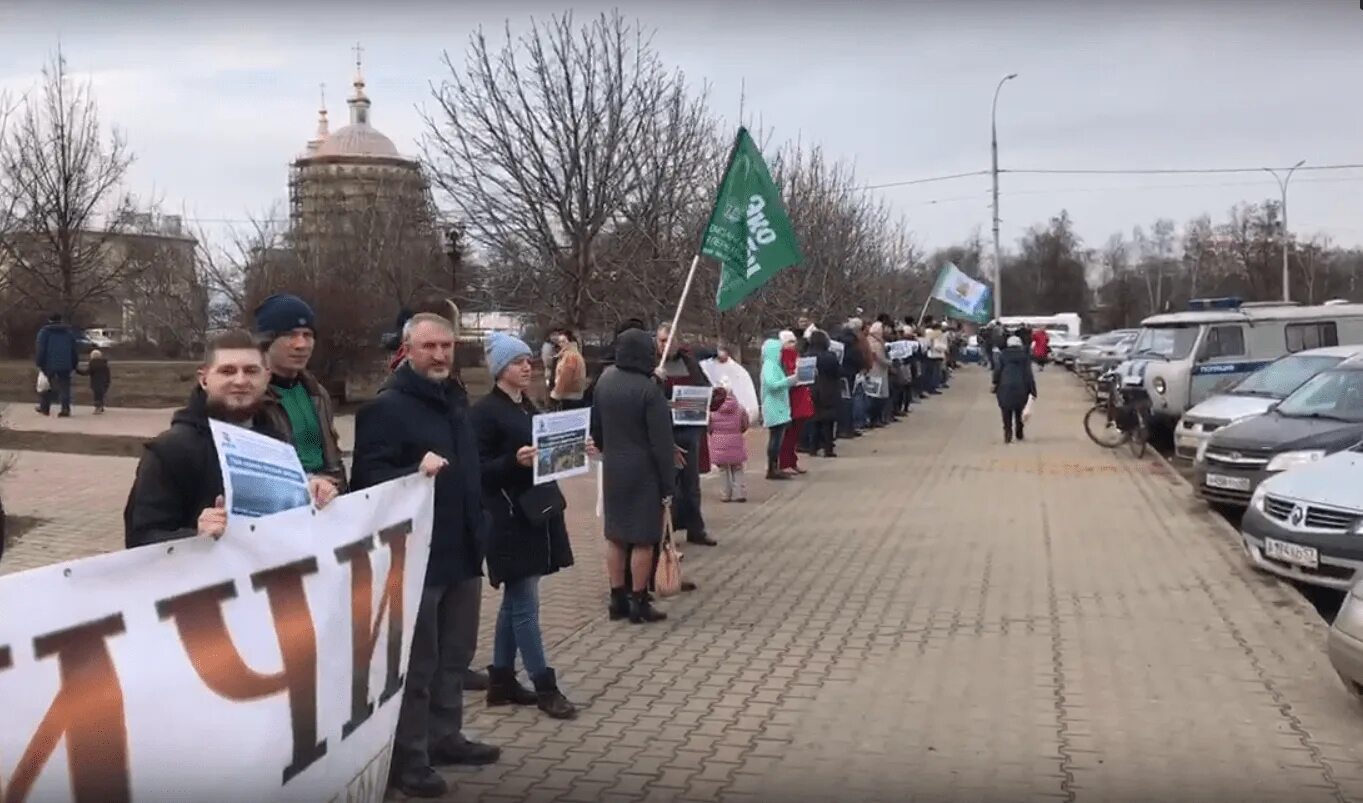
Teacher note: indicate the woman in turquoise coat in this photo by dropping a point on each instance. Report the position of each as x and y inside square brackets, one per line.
[776, 385]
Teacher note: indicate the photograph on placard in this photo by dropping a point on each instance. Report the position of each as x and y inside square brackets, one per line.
[805, 370]
[560, 441]
[691, 406]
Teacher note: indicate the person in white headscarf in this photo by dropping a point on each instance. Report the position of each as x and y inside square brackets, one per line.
[1014, 384]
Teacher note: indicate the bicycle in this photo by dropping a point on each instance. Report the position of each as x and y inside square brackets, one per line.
[1122, 416]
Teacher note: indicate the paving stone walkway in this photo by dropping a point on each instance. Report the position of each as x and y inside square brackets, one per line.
[932, 616]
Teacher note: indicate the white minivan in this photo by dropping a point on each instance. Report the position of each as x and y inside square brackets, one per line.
[1254, 395]
[1186, 357]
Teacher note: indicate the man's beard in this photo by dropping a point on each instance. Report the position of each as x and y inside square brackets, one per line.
[219, 410]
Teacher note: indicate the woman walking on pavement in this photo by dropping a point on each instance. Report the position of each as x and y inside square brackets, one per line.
[527, 537]
[1013, 385]
[632, 426]
[776, 384]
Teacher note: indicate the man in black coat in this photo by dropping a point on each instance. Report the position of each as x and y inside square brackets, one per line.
[420, 422]
[178, 491]
[852, 364]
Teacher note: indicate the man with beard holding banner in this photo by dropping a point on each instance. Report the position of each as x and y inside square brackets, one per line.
[420, 422]
[178, 492]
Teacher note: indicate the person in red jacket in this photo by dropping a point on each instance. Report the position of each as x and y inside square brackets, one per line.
[801, 408]
[1041, 348]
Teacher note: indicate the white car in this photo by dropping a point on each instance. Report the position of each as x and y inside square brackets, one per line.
[1253, 395]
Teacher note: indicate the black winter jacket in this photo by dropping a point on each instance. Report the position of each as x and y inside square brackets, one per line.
[852, 362]
[515, 548]
[1013, 379]
[827, 390]
[412, 416]
[177, 478]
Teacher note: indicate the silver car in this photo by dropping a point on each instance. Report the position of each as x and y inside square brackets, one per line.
[1104, 352]
[1345, 643]
[1254, 395]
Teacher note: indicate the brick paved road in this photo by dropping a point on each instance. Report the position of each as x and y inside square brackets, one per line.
[934, 616]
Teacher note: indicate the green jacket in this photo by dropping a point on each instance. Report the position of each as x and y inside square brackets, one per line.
[775, 386]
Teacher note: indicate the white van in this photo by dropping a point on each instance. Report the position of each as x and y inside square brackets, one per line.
[1185, 357]
[1067, 322]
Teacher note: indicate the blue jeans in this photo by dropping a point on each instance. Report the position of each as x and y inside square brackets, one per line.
[518, 627]
[61, 391]
[774, 436]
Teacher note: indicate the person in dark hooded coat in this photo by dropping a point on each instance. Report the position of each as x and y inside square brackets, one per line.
[632, 426]
[827, 392]
[1013, 385]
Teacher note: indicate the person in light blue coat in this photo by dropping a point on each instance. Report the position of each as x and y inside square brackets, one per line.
[776, 384]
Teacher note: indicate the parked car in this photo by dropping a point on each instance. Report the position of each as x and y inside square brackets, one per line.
[1066, 351]
[1323, 416]
[1253, 395]
[1345, 643]
[1303, 524]
[1104, 352]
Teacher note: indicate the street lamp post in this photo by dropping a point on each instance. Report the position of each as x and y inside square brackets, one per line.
[1282, 187]
[454, 251]
[994, 148]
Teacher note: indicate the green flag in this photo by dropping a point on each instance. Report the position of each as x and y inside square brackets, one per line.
[749, 232]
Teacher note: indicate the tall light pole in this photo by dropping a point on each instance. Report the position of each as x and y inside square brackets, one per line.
[994, 148]
[1282, 187]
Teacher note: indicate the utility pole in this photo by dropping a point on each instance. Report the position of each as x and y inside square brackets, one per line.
[994, 148]
[1282, 187]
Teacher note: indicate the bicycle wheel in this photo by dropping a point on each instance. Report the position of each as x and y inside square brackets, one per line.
[1140, 436]
[1101, 429]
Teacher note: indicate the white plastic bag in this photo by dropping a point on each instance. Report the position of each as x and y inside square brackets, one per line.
[43, 385]
[1027, 410]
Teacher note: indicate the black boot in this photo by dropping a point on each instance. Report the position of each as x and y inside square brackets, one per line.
[641, 610]
[619, 607]
[550, 700]
[419, 782]
[774, 473]
[504, 689]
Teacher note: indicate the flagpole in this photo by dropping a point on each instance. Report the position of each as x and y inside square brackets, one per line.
[924, 311]
[676, 318]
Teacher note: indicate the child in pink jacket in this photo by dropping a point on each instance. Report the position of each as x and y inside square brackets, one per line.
[728, 450]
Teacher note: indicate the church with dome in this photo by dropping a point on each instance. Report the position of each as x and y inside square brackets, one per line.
[355, 172]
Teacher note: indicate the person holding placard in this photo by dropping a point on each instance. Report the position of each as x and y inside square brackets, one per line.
[681, 368]
[877, 375]
[801, 406]
[827, 391]
[527, 537]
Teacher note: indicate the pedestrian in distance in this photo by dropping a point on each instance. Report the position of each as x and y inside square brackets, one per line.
[419, 422]
[97, 368]
[1014, 384]
[1041, 348]
[56, 357]
[728, 448]
[631, 424]
[527, 537]
[178, 489]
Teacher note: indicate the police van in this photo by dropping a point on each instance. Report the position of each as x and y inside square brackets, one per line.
[1184, 357]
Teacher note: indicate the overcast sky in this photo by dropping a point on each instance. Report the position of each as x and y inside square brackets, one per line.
[215, 102]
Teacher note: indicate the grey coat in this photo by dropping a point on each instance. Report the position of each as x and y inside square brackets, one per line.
[632, 426]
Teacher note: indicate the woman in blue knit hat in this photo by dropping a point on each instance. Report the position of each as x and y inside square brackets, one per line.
[528, 537]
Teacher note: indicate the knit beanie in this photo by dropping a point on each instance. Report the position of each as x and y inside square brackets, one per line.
[788, 338]
[501, 350]
[282, 313]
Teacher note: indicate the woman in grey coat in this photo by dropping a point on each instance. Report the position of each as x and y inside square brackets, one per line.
[632, 426]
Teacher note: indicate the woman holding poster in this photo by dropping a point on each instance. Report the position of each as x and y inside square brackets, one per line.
[528, 537]
[801, 407]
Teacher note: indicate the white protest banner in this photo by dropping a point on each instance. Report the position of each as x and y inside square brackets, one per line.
[806, 368]
[691, 405]
[263, 666]
[260, 475]
[561, 441]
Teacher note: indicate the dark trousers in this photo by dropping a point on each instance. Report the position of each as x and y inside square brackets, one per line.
[433, 701]
[823, 430]
[844, 422]
[1012, 422]
[61, 390]
[686, 499]
[774, 437]
[99, 394]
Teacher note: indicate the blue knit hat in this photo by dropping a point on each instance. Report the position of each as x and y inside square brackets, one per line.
[282, 313]
[502, 350]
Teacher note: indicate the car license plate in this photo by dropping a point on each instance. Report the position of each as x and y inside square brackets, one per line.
[1292, 553]
[1227, 483]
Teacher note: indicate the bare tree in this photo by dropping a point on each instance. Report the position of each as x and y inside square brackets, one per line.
[536, 143]
[63, 181]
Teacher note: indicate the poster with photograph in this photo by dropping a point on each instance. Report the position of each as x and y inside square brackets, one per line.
[902, 349]
[690, 406]
[805, 370]
[560, 441]
[838, 348]
[875, 386]
[260, 475]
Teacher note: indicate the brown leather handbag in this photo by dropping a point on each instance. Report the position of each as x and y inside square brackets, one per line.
[667, 577]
